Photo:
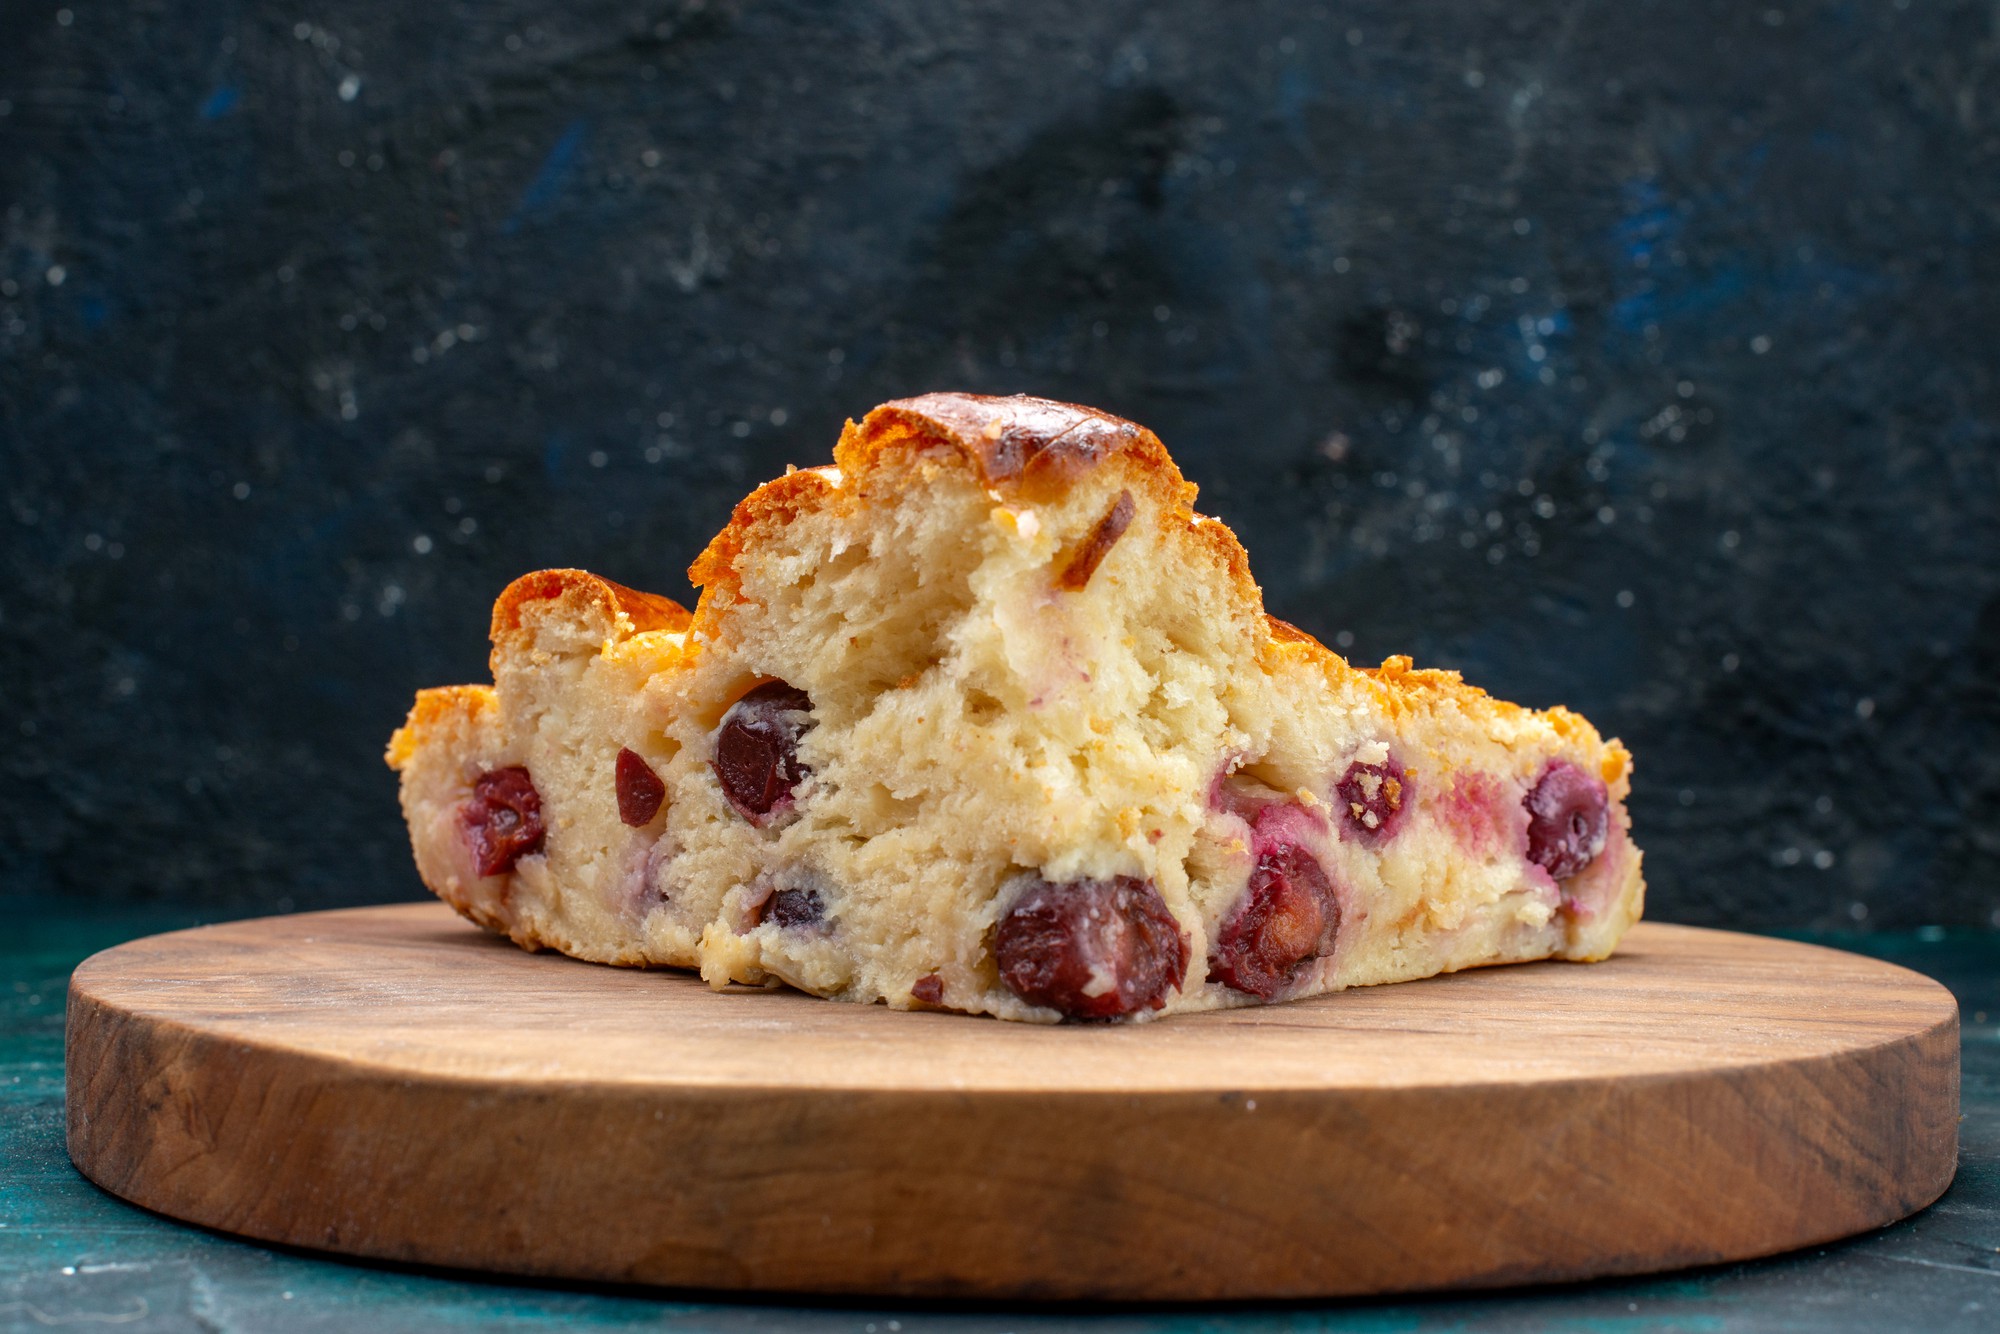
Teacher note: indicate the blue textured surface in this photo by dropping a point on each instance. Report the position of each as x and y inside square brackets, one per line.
[1639, 356]
[70, 1254]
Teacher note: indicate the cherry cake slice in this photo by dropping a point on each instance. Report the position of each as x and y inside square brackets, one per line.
[984, 717]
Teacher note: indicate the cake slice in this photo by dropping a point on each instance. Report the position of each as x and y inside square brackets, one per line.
[985, 717]
[503, 786]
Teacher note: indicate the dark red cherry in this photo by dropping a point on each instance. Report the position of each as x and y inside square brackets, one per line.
[929, 989]
[1375, 798]
[1288, 915]
[795, 907]
[504, 819]
[1569, 816]
[1091, 949]
[640, 790]
[756, 748]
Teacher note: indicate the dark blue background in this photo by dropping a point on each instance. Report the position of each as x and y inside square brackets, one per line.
[1634, 356]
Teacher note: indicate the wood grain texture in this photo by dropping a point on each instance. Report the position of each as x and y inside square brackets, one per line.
[390, 1082]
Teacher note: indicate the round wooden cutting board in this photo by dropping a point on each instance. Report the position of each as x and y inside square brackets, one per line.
[392, 1082]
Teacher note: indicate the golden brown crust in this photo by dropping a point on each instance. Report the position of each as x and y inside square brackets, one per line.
[433, 708]
[1034, 445]
[1409, 689]
[644, 611]
[778, 500]
[1404, 690]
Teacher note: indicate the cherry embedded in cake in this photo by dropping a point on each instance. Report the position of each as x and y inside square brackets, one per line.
[1375, 798]
[1288, 916]
[1090, 949]
[757, 749]
[985, 717]
[795, 908]
[1568, 820]
[503, 819]
[640, 791]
